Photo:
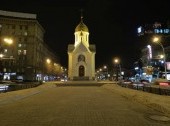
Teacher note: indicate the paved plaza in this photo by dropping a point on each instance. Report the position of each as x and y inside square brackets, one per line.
[73, 104]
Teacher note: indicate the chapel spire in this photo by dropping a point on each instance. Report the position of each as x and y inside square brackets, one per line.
[81, 26]
[81, 15]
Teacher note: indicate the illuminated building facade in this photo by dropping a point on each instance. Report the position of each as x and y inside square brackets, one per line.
[156, 28]
[26, 57]
[146, 34]
[81, 55]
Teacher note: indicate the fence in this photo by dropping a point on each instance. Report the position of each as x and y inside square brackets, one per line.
[14, 87]
[156, 89]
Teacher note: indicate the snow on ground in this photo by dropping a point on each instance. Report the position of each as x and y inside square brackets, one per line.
[19, 94]
[158, 102]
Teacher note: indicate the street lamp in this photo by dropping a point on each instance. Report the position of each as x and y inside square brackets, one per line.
[48, 61]
[8, 41]
[1, 55]
[156, 40]
[106, 71]
[117, 62]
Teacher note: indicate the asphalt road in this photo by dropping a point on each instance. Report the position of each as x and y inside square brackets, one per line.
[76, 105]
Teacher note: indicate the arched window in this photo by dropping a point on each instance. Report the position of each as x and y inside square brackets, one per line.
[81, 58]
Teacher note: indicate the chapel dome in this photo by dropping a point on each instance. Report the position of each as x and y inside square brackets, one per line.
[81, 27]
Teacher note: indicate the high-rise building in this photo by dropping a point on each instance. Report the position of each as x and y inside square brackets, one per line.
[26, 57]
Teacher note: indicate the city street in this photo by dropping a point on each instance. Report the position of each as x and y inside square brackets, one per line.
[89, 104]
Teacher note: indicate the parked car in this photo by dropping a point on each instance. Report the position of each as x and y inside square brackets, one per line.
[144, 81]
[63, 79]
[4, 85]
[127, 81]
[138, 85]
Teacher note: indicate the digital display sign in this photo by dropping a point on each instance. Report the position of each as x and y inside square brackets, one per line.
[162, 31]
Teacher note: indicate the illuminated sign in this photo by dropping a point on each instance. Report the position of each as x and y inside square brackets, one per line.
[149, 52]
[140, 29]
[162, 31]
[163, 84]
[168, 65]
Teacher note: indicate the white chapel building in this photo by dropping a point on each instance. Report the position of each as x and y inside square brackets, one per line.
[81, 55]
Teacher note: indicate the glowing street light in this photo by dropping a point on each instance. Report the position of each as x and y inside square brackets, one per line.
[48, 61]
[3, 40]
[8, 40]
[1, 55]
[105, 67]
[156, 40]
[106, 71]
[117, 62]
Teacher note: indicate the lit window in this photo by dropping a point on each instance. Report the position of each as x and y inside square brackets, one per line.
[19, 52]
[5, 50]
[11, 57]
[81, 58]
[25, 52]
[19, 45]
[4, 69]
[25, 33]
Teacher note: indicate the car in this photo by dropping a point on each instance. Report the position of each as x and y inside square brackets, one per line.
[144, 81]
[138, 85]
[127, 82]
[4, 85]
[63, 79]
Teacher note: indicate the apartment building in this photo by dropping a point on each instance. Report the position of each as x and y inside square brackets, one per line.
[28, 57]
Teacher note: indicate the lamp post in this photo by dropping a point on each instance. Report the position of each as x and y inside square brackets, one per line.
[48, 68]
[116, 62]
[106, 71]
[156, 40]
[8, 41]
[101, 74]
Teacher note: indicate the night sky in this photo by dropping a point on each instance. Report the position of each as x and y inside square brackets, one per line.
[112, 25]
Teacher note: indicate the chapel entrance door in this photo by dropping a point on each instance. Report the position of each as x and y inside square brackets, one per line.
[81, 71]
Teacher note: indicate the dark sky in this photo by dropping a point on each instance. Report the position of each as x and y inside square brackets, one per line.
[112, 24]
